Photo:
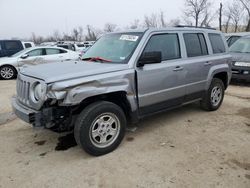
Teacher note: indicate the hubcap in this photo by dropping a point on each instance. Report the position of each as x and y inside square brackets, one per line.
[216, 95]
[7, 72]
[104, 130]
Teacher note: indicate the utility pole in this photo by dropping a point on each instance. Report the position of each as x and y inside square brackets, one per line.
[220, 16]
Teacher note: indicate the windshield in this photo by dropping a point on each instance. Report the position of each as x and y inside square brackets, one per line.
[20, 53]
[241, 46]
[117, 47]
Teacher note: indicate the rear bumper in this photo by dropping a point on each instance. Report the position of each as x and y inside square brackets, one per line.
[26, 114]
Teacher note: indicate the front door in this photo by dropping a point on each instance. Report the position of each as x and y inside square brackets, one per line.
[161, 85]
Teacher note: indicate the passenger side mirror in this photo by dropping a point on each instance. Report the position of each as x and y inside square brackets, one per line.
[150, 58]
[24, 56]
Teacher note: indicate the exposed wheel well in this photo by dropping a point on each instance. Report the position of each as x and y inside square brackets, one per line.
[119, 98]
[223, 77]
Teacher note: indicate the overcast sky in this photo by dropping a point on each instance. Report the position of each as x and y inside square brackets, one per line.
[19, 18]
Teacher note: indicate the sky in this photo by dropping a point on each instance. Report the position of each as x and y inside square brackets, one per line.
[19, 18]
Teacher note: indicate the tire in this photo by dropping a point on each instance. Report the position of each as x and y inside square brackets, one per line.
[100, 128]
[217, 89]
[7, 72]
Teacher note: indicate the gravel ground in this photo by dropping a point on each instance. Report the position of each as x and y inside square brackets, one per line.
[186, 147]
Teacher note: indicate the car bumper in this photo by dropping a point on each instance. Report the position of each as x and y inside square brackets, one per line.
[28, 115]
[241, 74]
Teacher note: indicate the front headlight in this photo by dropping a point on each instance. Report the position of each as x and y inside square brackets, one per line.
[38, 92]
[242, 64]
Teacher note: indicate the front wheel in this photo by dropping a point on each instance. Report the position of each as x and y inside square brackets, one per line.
[100, 128]
[7, 72]
[214, 96]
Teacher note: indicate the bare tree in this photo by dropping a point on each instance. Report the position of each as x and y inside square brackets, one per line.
[162, 19]
[246, 5]
[109, 27]
[135, 24]
[174, 22]
[155, 20]
[92, 33]
[228, 17]
[198, 10]
[36, 39]
[56, 35]
[75, 34]
[151, 21]
[236, 14]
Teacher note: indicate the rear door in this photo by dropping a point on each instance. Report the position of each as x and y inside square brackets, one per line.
[197, 64]
[161, 85]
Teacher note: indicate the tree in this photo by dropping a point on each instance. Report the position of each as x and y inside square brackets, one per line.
[246, 5]
[198, 10]
[135, 24]
[155, 20]
[109, 27]
[92, 33]
[150, 21]
[236, 13]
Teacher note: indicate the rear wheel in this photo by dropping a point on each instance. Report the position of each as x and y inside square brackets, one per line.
[214, 96]
[100, 128]
[7, 72]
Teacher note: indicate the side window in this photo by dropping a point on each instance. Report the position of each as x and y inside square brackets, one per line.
[0, 47]
[37, 52]
[195, 44]
[52, 51]
[217, 43]
[233, 39]
[12, 45]
[167, 44]
[27, 45]
[62, 51]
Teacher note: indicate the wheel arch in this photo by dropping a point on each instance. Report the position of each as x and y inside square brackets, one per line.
[119, 98]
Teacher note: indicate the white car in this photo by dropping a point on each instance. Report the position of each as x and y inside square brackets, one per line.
[33, 56]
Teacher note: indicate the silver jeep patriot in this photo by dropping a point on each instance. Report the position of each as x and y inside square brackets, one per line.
[123, 78]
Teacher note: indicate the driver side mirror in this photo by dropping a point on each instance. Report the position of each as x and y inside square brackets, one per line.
[150, 58]
[24, 56]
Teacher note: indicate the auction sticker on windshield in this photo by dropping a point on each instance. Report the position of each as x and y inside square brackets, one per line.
[133, 38]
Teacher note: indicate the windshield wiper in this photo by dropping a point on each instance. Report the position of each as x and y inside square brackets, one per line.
[100, 59]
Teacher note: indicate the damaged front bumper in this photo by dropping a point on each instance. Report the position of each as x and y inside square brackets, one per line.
[26, 114]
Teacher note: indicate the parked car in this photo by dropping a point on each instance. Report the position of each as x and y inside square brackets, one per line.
[125, 77]
[33, 56]
[28, 44]
[10, 47]
[67, 46]
[233, 37]
[240, 52]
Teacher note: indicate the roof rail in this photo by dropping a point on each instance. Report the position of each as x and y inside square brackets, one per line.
[189, 26]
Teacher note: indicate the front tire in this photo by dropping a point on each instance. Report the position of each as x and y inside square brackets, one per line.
[7, 72]
[100, 128]
[214, 96]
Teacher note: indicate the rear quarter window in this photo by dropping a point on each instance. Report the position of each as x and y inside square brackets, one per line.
[217, 43]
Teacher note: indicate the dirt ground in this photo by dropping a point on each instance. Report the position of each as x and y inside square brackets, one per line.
[186, 147]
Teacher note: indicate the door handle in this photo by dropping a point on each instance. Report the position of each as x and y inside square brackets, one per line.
[208, 63]
[178, 68]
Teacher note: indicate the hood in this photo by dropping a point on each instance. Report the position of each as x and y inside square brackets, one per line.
[242, 57]
[53, 72]
[7, 60]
